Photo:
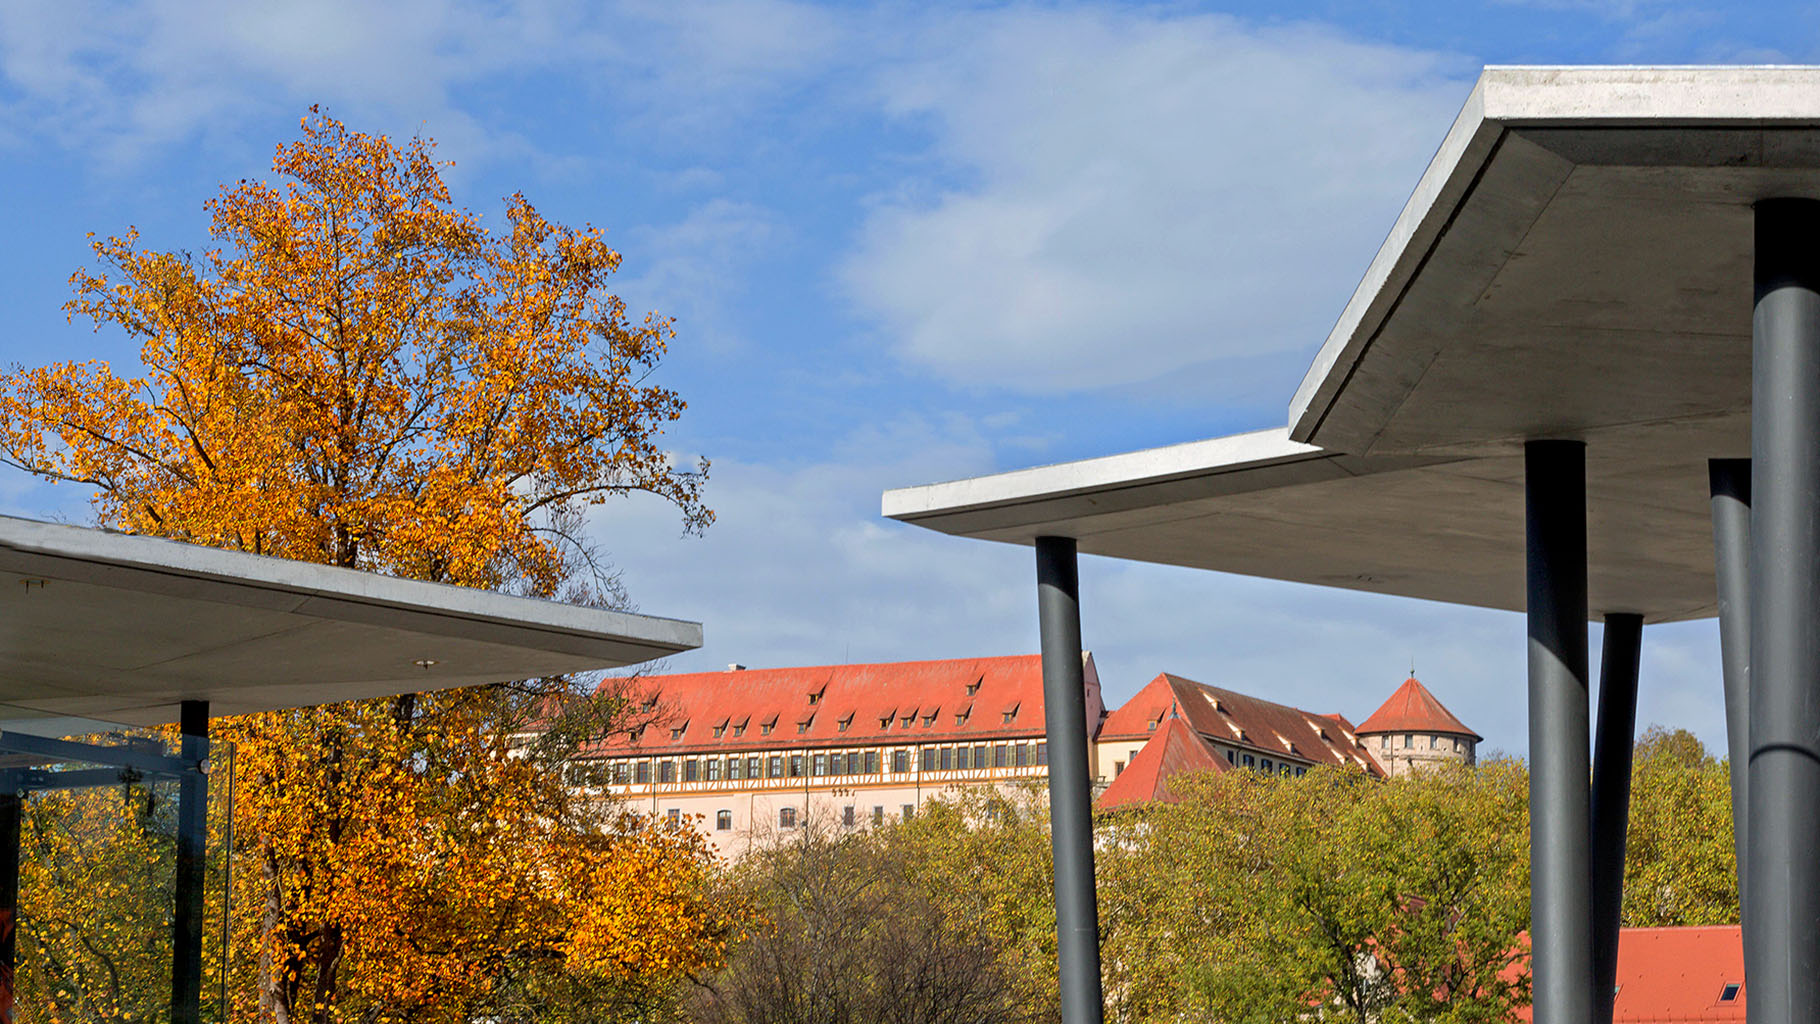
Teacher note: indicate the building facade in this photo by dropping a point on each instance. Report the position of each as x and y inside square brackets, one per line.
[750, 753]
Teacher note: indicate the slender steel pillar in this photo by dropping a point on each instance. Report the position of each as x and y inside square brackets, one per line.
[192, 842]
[1077, 919]
[1783, 916]
[11, 810]
[1612, 744]
[1730, 480]
[1560, 877]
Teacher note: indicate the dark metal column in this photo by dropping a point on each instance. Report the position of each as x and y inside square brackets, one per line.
[192, 844]
[11, 810]
[1077, 919]
[1730, 481]
[1612, 745]
[1783, 915]
[1560, 878]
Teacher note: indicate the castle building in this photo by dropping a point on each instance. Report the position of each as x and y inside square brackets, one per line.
[1412, 730]
[751, 753]
[748, 753]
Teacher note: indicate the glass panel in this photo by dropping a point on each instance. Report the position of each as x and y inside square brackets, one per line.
[98, 870]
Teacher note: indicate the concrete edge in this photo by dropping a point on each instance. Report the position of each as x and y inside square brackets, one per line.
[236, 570]
[1152, 465]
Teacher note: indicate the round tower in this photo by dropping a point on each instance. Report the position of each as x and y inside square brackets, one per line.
[1413, 730]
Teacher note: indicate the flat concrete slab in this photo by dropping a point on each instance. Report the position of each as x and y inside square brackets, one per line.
[1444, 528]
[1575, 262]
[121, 628]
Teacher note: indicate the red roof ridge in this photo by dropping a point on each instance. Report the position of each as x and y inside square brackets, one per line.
[1412, 708]
[1175, 748]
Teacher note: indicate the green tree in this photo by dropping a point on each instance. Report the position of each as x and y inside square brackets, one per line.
[1679, 864]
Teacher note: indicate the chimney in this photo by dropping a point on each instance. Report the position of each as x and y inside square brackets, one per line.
[735, 667]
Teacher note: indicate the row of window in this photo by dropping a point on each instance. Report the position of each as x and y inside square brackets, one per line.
[793, 766]
[787, 816]
[1411, 741]
[1263, 764]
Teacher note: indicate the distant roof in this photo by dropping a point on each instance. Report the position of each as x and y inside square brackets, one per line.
[1176, 748]
[835, 705]
[1226, 716]
[1678, 975]
[1413, 709]
[121, 628]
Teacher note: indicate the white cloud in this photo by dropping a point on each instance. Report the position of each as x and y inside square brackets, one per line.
[123, 79]
[696, 269]
[1142, 194]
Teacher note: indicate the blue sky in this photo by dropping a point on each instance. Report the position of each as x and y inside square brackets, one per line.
[903, 243]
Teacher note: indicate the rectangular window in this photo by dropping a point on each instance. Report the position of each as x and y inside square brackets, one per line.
[796, 766]
[1250, 762]
[733, 766]
[1001, 756]
[714, 769]
[786, 817]
[1023, 754]
[619, 773]
[1383, 742]
[691, 770]
[909, 811]
[752, 768]
[777, 768]
[723, 821]
[1408, 741]
[846, 816]
[871, 762]
[666, 771]
[947, 759]
[979, 755]
[1230, 759]
[1118, 768]
[900, 761]
[821, 765]
[675, 815]
[928, 759]
[1266, 764]
[1042, 753]
[878, 815]
[642, 772]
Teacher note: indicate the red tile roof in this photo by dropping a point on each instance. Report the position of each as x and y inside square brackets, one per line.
[1173, 750]
[1413, 709]
[958, 699]
[1272, 729]
[1678, 975]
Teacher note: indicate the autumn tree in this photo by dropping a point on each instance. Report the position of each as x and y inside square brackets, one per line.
[358, 373]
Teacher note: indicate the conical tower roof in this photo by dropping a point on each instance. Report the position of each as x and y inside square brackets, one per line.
[1413, 709]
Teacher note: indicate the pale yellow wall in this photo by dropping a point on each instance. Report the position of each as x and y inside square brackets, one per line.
[1424, 750]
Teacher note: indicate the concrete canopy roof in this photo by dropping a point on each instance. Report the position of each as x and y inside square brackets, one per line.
[121, 628]
[1445, 528]
[1574, 263]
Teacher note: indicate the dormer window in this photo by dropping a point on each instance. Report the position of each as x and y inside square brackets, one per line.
[928, 719]
[802, 727]
[1008, 717]
[740, 729]
[816, 697]
[909, 720]
[842, 725]
[677, 732]
[973, 687]
[719, 731]
[764, 729]
[1152, 725]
